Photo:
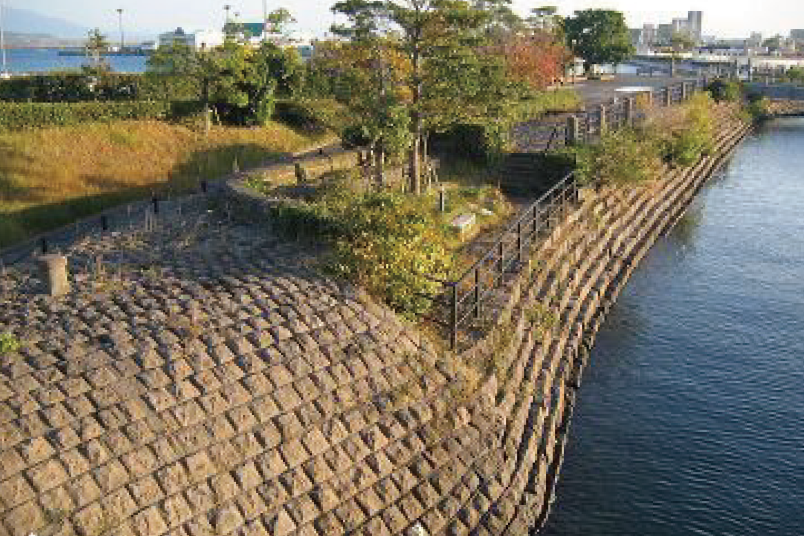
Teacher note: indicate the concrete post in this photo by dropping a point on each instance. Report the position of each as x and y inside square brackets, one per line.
[630, 110]
[53, 273]
[604, 120]
[668, 96]
[573, 130]
[684, 91]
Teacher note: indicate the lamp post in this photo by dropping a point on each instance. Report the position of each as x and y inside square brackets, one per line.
[120, 25]
[226, 8]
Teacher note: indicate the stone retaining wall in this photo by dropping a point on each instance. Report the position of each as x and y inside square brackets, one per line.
[224, 388]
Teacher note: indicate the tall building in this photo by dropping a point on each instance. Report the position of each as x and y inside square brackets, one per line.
[798, 35]
[695, 24]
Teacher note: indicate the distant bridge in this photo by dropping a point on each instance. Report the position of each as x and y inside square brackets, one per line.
[777, 91]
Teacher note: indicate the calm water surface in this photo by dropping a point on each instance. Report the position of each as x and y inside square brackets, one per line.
[690, 419]
[43, 60]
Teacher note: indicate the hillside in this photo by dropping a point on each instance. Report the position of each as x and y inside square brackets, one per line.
[23, 21]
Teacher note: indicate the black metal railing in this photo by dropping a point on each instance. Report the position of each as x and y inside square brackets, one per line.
[465, 297]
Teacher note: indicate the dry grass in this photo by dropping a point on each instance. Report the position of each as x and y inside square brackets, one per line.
[53, 176]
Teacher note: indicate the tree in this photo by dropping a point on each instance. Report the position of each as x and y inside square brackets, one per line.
[599, 36]
[239, 82]
[97, 45]
[545, 18]
[537, 59]
[448, 73]
[278, 21]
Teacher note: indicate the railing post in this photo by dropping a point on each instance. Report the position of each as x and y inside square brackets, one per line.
[453, 339]
[155, 202]
[573, 130]
[668, 96]
[630, 107]
[104, 222]
[519, 241]
[603, 119]
[684, 92]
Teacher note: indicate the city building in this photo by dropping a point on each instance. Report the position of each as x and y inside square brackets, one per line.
[797, 35]
[695, 24]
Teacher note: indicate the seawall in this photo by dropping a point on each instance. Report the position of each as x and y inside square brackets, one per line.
[213, 384]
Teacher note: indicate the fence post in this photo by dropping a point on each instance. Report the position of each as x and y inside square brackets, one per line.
[104, 222]
[155, 201]
[573, 130]
[668, 96]
[454, 317]
[519, 242]
[684, 92]
[603, 119]
[630, 105]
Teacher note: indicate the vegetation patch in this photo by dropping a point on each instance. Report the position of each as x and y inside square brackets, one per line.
[51, 177]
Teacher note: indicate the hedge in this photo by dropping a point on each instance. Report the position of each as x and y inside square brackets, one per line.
[20, 116]
[80, 87]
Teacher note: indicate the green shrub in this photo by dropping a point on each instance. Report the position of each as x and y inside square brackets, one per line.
[9, 343]
[757, 108]
[725, 90]
[21, 116]
[24, 115]
[482, 142]
[621, 158]
[85, 87]
[685, 143]
[301, 115]
[384, 241]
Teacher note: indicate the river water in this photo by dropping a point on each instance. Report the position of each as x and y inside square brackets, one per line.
[690, 417]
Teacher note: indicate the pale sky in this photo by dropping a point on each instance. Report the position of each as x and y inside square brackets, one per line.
[724, 18]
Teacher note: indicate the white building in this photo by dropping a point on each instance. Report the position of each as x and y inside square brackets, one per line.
[196, 40]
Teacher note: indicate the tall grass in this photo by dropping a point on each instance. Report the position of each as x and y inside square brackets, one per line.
[53, 176]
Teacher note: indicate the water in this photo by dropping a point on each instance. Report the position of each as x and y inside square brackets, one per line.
[690, 419]
[48, 59]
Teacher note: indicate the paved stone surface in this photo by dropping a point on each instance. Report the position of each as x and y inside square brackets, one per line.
[204, 378]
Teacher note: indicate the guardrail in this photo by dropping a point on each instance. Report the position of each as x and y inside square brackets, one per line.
[464, 298]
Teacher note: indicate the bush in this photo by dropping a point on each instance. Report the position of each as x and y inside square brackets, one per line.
[621, 158]
[20, 116]
[85, 87]
[300, 115]
[684, 143]
[384, 241]
[758, 108]
[482, 142]
[723, 90]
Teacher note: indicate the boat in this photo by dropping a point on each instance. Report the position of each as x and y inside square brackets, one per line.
[4, 74]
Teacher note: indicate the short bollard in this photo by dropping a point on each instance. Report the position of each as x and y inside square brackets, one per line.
[53, 273]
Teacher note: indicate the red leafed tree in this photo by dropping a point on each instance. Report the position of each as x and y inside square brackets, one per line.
[537, 58]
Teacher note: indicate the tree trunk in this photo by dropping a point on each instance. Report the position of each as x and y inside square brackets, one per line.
[416, 126]
[379, 165]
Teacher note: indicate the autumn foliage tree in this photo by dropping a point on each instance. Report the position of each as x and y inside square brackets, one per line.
[537, 59]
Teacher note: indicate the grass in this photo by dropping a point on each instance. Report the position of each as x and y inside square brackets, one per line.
[51, 177]
[556, 100]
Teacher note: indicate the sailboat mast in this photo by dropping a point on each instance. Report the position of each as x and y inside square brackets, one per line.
[3, 70]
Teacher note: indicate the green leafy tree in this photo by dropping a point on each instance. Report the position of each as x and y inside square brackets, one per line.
[278, 21]
[239, 82]
[447, 73]
[599, 36]
[97, 46]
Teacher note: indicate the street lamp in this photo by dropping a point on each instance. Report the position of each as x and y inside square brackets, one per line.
[120, 24]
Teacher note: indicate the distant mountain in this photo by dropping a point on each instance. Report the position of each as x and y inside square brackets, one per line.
[23, 21]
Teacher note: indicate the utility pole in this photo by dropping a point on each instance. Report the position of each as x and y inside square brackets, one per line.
[264, 20]
[120, 24]
[226, 8]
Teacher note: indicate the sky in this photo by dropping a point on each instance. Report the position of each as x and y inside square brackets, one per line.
[724, 18]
